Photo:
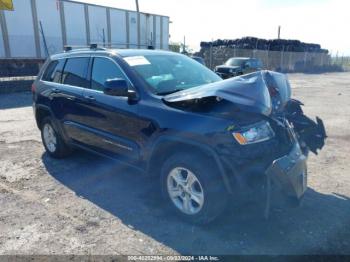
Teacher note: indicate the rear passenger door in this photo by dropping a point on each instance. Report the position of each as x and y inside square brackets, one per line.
[69, 96]
[111, 121]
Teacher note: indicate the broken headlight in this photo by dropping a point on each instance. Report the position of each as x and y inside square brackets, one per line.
[259, 132]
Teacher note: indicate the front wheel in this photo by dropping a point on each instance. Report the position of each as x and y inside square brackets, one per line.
[193, 187]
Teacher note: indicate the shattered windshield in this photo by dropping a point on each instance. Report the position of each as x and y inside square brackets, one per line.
[166, 74]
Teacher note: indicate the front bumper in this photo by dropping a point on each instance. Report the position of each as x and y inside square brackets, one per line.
[226, 75]
[279, 179]
[289, 173]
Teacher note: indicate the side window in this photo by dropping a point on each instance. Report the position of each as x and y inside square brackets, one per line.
[259, 63]
[102, 70]
[54, 70]
[255, 63]
[75, 72]
[49, 71]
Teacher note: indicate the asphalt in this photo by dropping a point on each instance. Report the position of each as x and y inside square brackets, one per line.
[89, 205]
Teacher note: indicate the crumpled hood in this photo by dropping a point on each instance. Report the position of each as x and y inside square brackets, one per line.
[249, 92]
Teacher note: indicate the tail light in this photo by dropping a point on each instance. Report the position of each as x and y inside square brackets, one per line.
[33, 88]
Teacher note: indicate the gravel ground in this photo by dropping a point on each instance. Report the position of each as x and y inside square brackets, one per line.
[89, 205]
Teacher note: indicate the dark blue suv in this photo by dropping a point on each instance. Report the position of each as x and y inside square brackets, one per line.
[207, 139]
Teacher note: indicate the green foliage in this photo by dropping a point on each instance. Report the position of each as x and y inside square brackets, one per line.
[174, 47]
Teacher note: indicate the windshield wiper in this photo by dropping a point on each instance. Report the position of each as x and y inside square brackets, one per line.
[169, 92]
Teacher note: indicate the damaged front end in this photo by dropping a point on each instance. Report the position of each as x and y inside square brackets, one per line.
[261, 96]
[310, 134]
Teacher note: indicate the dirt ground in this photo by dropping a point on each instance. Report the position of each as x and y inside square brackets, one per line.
[89, 205]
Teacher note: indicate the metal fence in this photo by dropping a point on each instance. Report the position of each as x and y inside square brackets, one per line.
[283, 61]
[342, 61]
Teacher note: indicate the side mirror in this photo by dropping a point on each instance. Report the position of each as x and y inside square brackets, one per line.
[118, 87]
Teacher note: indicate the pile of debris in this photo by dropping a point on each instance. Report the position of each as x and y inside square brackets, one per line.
[264, 44]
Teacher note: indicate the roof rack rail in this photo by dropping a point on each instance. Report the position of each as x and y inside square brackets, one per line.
[93, 46]
[68, 48]
[105, 46]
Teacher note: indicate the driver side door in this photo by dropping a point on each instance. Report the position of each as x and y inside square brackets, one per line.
[111, 121]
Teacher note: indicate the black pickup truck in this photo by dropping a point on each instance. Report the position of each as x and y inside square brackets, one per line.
[236, 66]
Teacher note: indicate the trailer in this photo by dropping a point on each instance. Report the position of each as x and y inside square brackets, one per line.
[38, 28]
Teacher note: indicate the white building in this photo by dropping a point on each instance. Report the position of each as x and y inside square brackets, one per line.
[66, 22]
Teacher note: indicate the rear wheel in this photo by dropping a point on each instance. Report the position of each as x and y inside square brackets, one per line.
[53, 142]
[192, 186]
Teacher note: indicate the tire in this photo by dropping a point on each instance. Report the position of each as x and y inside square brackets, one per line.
[209, 183]
[52, 140]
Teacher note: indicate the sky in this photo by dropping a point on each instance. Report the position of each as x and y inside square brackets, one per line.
[325, 22]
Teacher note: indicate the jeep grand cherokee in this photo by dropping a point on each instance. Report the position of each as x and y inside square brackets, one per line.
[163, 113]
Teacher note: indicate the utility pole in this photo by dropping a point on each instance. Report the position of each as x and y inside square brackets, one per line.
[279, 32]
[44, 39]
[137, 5]
[184, 45]
[103, 37]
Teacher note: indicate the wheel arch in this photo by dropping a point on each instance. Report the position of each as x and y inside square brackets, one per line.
[163, 145]
[41, 112]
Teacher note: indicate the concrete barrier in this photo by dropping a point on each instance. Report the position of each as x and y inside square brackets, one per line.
[16, 84]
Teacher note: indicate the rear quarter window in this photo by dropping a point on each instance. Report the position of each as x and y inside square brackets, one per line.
[53, 72]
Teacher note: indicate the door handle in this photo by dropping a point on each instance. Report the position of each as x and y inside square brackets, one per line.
[53, 93]
[72, 98]
[90, 98]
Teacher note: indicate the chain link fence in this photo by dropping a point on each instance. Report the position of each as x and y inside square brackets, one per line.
[342, 61]
[282, 61]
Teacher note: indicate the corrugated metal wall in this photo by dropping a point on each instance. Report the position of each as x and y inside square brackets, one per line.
[97, 24]
[49, 15]
[75, 25]
[2, 48]
[70, 23]
[165, 33]
[132, 29]
[20, 29]
[118, 28]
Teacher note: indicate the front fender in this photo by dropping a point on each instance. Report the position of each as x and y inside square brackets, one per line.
[173, 140]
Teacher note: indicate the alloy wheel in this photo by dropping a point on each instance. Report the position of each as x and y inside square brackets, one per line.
[50, 138]
[185, 190]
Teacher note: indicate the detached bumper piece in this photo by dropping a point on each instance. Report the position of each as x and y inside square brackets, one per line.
[289, 173]
[316, 136]
[312, 133]
[288, 176]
